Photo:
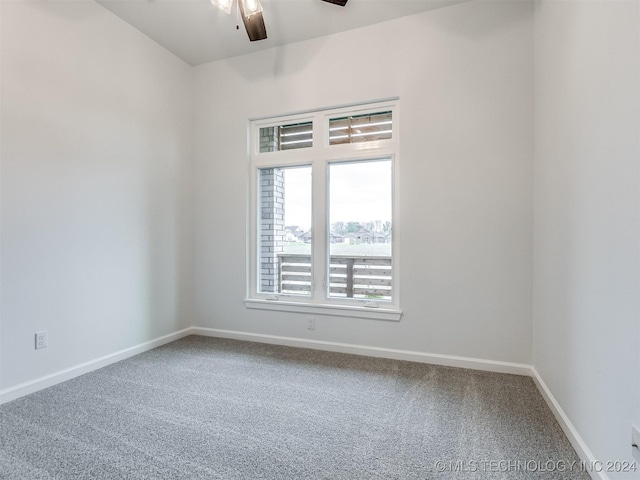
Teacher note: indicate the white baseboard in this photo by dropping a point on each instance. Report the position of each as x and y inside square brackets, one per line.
[26, 388]
[567, 427]
[32, 386]
[432, 358]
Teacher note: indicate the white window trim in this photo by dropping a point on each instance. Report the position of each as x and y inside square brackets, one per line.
[320, 156]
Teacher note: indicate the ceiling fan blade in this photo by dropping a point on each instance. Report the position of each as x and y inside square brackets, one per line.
[254, 24]
[342, 3]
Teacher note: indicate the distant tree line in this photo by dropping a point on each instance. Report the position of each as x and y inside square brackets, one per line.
[377, 226]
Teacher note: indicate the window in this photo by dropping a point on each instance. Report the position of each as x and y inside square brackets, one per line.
[286, 137]
[360, 128]
[284, 249]
[360, 204]
[323, 235]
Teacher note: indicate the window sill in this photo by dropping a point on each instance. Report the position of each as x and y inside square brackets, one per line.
[325, 309]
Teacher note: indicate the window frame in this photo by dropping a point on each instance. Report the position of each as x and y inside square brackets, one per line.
[320, 156]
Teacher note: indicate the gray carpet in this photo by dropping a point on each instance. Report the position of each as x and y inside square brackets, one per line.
[204, 408]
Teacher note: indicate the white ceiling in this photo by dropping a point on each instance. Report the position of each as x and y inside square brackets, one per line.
[198, 32]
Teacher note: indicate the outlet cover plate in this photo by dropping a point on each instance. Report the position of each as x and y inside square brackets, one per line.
[41, 339]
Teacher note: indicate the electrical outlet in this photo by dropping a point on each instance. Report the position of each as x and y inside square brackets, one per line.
[311, 323]
[635, 441]
[42, 339]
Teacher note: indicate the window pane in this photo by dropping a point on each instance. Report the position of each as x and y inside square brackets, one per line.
[284, 228]
[360, 128]
[360, 206]
[286, 137]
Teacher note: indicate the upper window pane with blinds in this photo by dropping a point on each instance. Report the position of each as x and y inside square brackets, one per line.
[360, 128]
[286, 137]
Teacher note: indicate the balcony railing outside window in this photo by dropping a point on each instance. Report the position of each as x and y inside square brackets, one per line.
[350, 276]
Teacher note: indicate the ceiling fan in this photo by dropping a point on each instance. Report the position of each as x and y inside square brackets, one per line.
[251, 13]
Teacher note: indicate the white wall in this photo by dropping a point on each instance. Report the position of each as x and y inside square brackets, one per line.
[96, 172]
[465, 81]
[586, 269]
